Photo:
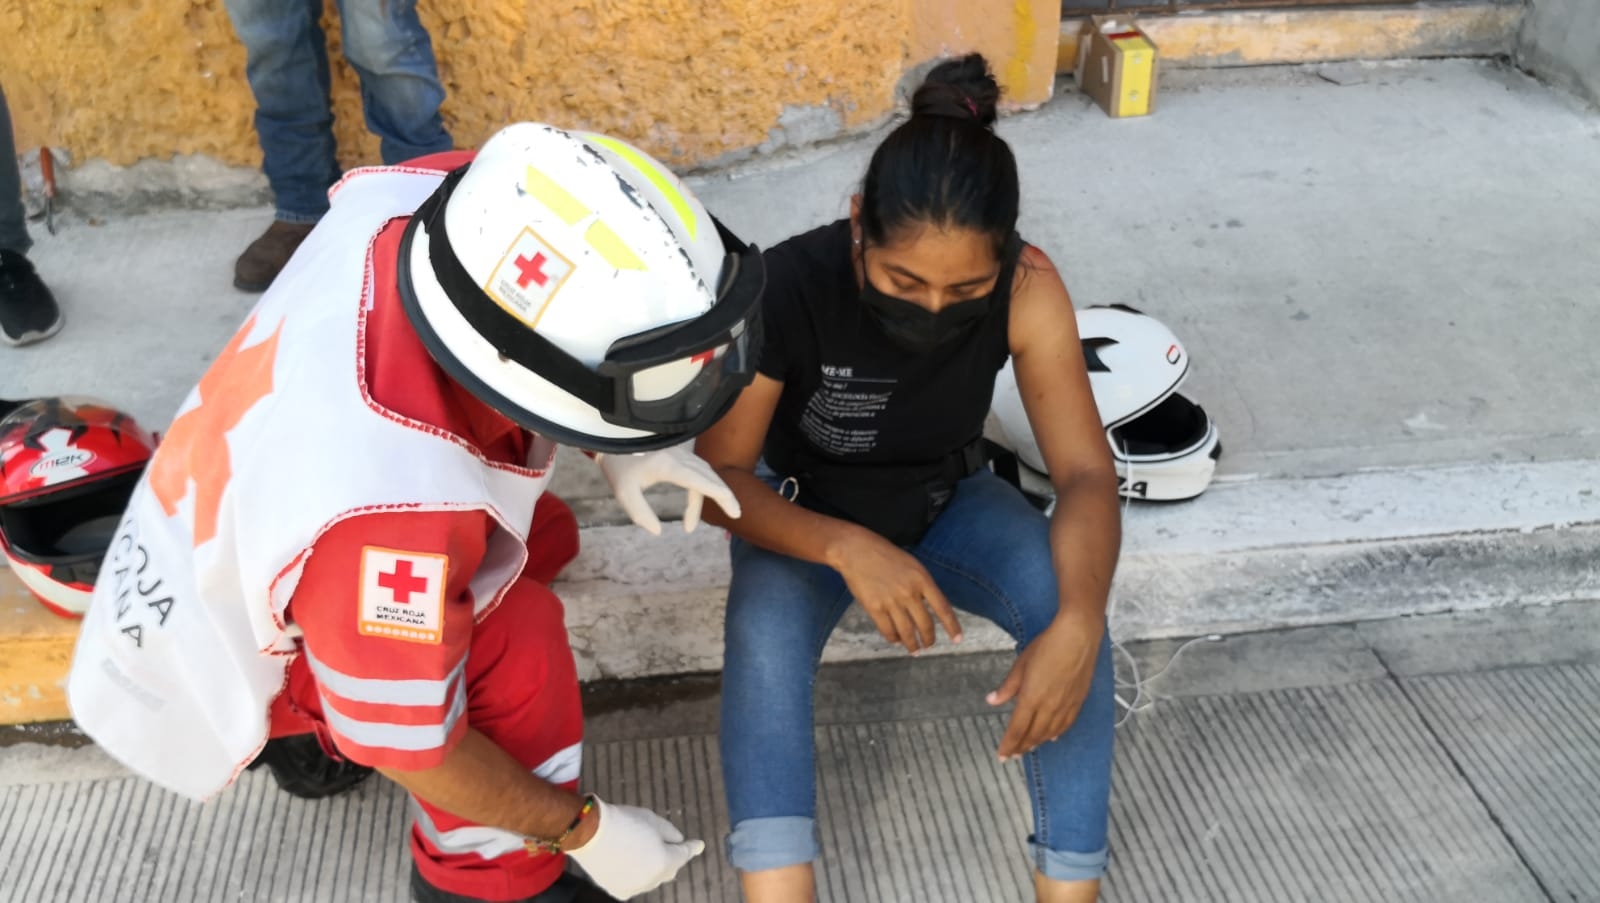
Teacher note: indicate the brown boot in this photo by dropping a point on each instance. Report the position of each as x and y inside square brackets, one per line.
[265, 258]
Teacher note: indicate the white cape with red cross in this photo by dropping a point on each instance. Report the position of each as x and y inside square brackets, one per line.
[184, 646]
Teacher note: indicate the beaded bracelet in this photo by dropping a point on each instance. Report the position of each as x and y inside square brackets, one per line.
[553, 847]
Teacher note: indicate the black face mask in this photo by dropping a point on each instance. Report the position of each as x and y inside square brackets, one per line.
[914, 327]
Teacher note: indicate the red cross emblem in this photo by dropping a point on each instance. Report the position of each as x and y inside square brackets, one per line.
[402, 594]
[531, 270]
[528, 277]
[401, 583]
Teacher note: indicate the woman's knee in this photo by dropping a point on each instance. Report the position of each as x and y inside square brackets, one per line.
[771, 658]
[998, 549]
[779, 614]
[772, 595]
[1029, 592]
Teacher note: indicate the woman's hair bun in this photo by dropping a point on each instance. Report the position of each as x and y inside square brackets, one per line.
[960, 88]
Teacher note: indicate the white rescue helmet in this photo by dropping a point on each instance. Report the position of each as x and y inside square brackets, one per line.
[574, 284]
[1165, 446]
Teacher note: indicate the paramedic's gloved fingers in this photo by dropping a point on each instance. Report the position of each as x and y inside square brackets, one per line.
[633, 850]
[631, 475]
[691, 511]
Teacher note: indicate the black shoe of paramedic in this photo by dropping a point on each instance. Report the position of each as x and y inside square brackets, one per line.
[302, 769]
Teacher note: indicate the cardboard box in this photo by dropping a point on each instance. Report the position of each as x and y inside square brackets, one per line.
[1117, 65]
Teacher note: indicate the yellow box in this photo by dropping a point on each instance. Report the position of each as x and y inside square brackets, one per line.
[1137, 78]
[1117, 65]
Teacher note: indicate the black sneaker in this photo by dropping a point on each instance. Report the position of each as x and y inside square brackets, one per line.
[302, 769]
[28, 312]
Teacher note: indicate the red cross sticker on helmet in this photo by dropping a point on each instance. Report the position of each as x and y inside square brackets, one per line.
[527, 277]
[402, 594]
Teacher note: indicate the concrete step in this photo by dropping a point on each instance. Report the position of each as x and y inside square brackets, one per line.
[1245, 556]
[35, 650]
[1261, 37]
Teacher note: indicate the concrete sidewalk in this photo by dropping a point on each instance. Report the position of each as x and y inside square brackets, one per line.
[1424, 760]
[1386, 275]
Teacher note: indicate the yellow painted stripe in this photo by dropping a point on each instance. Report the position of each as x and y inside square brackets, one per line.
[664, 182]
[35, 656]
[612, 247]
[558, 199]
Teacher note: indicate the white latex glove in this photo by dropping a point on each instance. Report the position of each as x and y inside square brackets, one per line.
[631, 475]
[633, 850]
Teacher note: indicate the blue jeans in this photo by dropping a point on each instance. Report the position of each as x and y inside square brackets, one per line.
[13, 219]
[288, 72]
[990, 554]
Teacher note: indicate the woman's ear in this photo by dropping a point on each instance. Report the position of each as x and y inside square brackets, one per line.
[855, 218]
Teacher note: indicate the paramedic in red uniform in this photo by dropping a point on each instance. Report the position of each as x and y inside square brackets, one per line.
[344, 532]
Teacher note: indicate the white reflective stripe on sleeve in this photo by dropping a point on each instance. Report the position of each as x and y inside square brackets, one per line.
[402, 737]
[562, 767]
[417, 692]
[489, 843]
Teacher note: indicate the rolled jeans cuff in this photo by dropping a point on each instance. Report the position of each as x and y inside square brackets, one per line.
[759, 844]
[1065, 865]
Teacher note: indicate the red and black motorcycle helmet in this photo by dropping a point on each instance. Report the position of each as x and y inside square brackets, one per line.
[67, 470]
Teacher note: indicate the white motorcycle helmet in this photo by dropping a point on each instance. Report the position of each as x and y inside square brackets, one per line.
[1165, 446]
[574, 284]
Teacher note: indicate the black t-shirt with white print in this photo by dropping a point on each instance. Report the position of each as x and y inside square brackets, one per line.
[850, 395]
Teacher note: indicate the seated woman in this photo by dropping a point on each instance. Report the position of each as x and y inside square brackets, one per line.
[855, 457]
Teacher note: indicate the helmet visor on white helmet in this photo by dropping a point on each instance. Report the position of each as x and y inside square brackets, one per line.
[674, 381]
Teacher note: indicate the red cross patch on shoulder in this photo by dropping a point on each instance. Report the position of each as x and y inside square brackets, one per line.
[527, 278]
[402, 594]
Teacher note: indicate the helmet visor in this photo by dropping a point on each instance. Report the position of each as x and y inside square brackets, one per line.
[670, 379]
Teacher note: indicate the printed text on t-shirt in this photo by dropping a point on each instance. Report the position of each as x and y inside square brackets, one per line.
[841, 415]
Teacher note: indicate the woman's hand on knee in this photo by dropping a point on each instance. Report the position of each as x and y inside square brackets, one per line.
[1049, 681]
[898, 593]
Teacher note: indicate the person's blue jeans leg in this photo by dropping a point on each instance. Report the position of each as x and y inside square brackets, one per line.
[13, 219]
[400, 91]
[287, 66]
[780, 613]
[990, 554]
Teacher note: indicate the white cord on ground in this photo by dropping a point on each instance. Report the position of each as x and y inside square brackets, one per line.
[1143, 697]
